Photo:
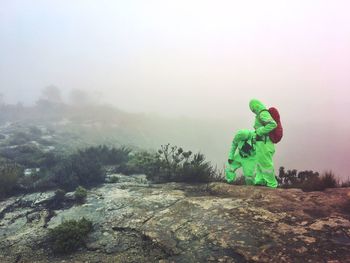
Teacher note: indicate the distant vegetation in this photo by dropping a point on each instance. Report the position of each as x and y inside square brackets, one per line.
[53, 168]
[85, 168]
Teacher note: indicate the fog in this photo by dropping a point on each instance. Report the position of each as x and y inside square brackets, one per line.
[196, 59]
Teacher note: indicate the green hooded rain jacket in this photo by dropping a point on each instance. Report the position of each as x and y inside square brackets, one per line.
[265, 149]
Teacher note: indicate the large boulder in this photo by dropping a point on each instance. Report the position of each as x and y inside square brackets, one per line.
[139, 222]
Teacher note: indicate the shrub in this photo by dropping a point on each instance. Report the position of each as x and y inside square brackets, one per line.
[45, 142]
[113, 180]
[312, 184]
[306, 180]
[87, 167]
[50, 160]
[43, 182]
[183, 166]
[35, 131]
[81, 168]
[239, 181]
[70, 235]
[10, 173]
[328, 180]
[142, 163]
[171, 163]
[62, 175]
[80, 194]
[19, 138]
[26, 155]
[295, 179]
[59, 194]
[57, 201]
[109, 156]
[195, 170]
[66, 172]
[346, 183]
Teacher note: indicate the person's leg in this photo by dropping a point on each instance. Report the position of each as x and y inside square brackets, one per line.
[265, 166]
[259, 178]
[249, 166]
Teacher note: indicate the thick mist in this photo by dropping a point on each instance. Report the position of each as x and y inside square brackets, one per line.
[195, 60]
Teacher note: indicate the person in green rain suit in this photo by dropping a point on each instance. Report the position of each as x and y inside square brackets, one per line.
[265, 149]
[244, 157]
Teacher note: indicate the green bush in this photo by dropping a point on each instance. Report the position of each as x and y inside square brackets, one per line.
[35, 131]
[142, 163]
[87, 167]
[329, 180]
[57, 171]
[312, 184]
[19, 138]
[113, 180]
[70, 235]
[82, 168]
[42, 182]
[346, 183]
[195, 170]
[59, 194]
[317, 183]
[109, 156]
[10, 174]
[26, 155]
[295, 179]
[62, 175]
[50, 160]
[45, 142]
[80, 194]
[57, 201]
[306, 180]
[171, 163]
[239, 181]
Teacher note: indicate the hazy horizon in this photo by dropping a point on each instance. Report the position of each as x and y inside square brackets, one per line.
[196, 59]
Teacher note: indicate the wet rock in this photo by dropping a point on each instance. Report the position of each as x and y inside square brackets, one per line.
[137, 179]
[135, 221]
[35, 216]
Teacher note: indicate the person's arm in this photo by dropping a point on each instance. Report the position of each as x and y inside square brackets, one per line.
[268, 123]
[232, 150]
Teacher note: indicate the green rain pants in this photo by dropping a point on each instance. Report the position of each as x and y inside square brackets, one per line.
[248, 166]
[265, 172]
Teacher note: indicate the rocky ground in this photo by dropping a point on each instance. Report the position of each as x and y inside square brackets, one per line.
[135, 221]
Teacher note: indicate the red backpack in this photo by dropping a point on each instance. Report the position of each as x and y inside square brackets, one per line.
[276, 134]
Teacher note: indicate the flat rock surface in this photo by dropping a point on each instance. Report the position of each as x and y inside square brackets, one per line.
[134, 221]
